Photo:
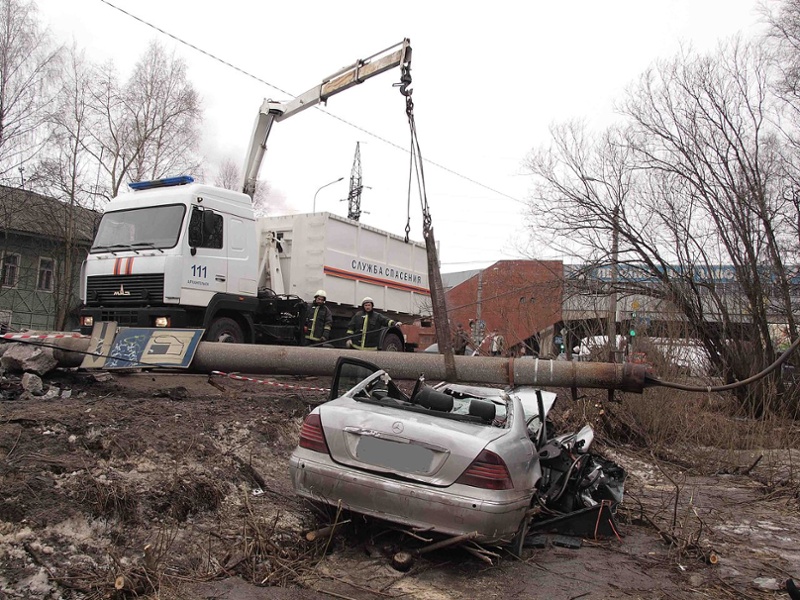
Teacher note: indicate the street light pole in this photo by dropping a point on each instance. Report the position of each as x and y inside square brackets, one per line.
[314, 209]
[611, 322]
[612, 300]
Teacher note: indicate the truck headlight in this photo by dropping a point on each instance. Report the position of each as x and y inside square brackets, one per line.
[87, 321]
[162, 322]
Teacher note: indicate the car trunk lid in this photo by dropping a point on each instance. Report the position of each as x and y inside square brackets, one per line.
[425, 447]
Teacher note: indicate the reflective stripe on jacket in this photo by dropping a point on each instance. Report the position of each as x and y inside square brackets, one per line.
[365, 329]
[319, 323]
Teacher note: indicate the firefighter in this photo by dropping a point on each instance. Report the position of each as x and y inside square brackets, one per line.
[364, 329]
[320, 321]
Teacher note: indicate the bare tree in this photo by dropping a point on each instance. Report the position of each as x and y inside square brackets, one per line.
[784, 33]
[27, 65]
[165, 114]
[147, 128]
[68, 173]
[229, 176]
[109, 134]
[693, 180]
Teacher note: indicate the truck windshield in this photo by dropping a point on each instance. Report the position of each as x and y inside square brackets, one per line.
[148, 227]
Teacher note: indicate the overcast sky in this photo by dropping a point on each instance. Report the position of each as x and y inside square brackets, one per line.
[489, 80]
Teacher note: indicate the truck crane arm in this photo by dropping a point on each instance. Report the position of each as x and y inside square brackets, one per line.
[345, 78]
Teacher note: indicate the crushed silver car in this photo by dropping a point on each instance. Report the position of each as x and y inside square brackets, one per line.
[452, 459]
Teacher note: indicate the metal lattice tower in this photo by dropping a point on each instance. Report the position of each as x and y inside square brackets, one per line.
[354, 197]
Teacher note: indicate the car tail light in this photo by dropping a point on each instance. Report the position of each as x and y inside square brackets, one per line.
[487, 471]
[311, 435]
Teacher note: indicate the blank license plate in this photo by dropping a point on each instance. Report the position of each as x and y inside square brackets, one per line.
[409, 458]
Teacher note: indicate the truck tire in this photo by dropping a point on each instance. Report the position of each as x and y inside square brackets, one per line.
[392, 343]
[226, 330]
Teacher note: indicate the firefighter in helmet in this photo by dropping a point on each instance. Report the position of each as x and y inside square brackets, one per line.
[364, 329]
[320, 321]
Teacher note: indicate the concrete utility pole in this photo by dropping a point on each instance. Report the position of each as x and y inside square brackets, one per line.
[292, 360]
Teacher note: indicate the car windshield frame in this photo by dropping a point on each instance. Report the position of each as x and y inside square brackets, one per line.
[141, 228]
[391, 396]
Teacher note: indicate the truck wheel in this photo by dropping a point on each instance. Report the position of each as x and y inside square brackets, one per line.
[392, 343]
[225, 330]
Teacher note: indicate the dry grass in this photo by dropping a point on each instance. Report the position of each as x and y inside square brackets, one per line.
[110, 499]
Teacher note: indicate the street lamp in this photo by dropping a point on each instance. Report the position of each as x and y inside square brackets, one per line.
[314, 210]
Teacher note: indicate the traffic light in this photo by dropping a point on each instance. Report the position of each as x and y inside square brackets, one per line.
[632, 331]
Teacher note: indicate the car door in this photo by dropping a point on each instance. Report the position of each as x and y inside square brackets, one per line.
[349, 372]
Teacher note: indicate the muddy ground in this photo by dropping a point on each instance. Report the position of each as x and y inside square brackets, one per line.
[175, 486]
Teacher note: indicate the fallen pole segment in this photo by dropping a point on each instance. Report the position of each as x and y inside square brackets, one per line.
[289, 360]
[292, 360]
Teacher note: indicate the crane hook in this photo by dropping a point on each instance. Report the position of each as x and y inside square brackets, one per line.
[405, 80]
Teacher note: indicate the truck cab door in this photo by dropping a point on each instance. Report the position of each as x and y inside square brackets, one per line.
[205, 269]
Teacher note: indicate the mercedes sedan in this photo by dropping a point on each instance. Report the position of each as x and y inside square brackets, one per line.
[452, 459]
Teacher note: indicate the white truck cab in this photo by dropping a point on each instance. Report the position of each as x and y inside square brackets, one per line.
[171, 243]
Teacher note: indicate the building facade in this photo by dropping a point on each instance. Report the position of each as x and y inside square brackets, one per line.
[520, 299]
[43, 243]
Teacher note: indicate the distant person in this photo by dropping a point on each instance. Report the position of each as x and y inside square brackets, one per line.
[498, 344]
[523, 353]
[364, 329]
[320, 321]
[460, 340]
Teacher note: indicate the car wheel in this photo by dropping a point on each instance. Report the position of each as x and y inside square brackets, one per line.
[392, 343]
[225, 330]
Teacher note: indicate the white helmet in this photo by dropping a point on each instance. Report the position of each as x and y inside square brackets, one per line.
[367, 299]
[321, 293]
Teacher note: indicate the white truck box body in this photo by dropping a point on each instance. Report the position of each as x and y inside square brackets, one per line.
[349, 260]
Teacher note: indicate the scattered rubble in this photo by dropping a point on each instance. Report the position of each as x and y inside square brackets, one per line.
[28, 358]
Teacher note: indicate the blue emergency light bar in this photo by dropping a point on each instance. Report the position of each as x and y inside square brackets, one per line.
[157, 183]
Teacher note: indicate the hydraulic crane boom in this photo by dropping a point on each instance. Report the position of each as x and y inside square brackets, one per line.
[271, 111]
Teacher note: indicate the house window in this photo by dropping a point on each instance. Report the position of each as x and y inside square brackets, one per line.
[10, 270]
[45, 281]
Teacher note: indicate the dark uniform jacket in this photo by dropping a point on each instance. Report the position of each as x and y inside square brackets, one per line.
[318, 326]
[460, 341]
[364, 329]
